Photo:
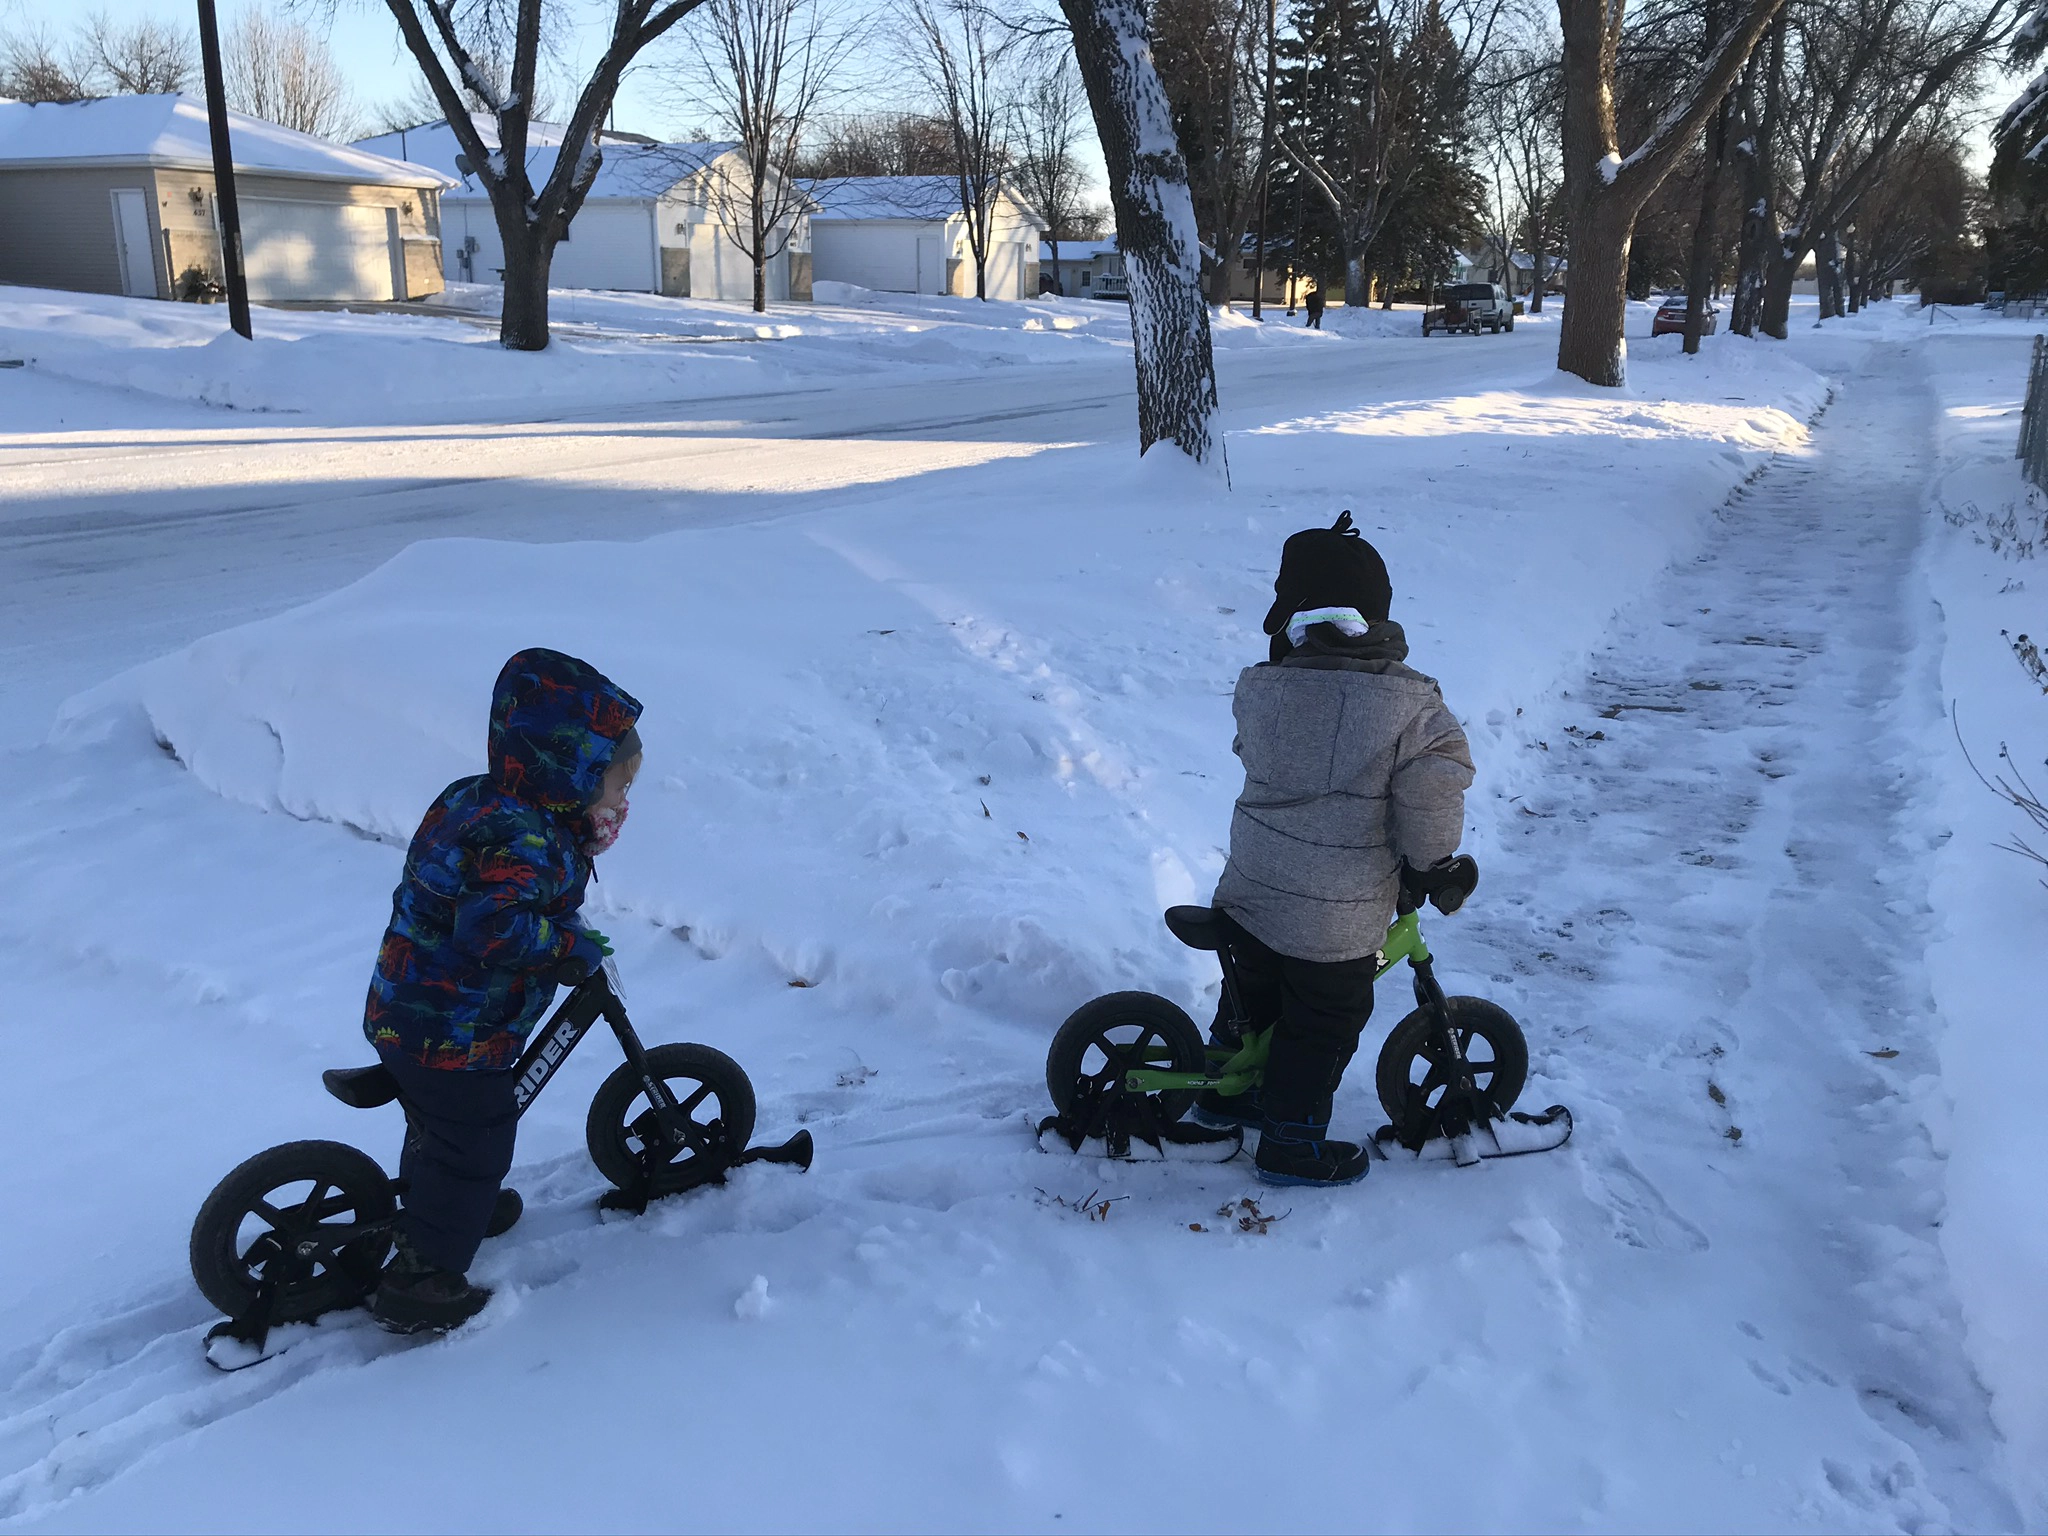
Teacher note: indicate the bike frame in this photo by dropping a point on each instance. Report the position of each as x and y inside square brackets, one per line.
[1231, 1072]
[599, 996]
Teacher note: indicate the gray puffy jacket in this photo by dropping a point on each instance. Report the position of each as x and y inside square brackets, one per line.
[1349, 766]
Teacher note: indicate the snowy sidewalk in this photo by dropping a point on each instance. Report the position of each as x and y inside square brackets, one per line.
[1716, 891]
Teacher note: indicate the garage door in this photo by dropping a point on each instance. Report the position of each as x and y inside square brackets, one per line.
[315, 250]
[610, 245]
[1005, 271]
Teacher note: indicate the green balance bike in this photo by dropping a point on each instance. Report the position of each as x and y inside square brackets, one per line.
[1124, 1070]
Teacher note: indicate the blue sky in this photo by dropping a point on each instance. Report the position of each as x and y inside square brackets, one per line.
[367, 45]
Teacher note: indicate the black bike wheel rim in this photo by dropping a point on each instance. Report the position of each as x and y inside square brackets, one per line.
[275, 1221]
[642, 1128]
[1428, 1093]
[1149, 1048]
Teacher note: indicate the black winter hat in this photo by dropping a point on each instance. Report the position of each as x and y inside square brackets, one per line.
[1329, 568]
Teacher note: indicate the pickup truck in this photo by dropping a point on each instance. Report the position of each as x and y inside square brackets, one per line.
[1471, 307]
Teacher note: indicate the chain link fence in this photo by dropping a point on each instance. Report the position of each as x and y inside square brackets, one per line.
[2033, 450]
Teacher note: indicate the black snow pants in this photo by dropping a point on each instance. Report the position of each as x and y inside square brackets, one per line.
[459, 1129]
[1317, 1009]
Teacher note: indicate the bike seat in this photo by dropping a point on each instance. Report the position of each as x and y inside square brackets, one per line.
[361, 1087]
[1197, 927]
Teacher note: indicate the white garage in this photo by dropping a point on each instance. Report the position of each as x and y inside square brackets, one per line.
[296, 250]
[656, 218]
[906, 234]
[117, 196]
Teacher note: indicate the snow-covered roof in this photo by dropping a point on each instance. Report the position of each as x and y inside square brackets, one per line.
[172, 131]
[885, 197]
[1079, 250]
[435, 143]
[627, 172]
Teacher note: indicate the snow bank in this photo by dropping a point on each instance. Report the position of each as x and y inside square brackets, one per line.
[442, 361]
[888, 744]
[1988, 565]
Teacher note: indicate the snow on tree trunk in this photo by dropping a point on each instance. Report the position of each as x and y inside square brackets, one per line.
[1357, 280]
[1155, 223]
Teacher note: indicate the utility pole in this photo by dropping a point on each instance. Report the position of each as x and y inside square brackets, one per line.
[1265, 162]
[224, 174]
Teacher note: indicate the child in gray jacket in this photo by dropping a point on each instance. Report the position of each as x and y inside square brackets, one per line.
[1352, 765]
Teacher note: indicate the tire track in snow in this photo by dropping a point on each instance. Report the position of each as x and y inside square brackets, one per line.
[1709, 904]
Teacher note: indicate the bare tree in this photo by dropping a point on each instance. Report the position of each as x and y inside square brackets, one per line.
[767, 65]
[104, 57]
[1155, 222]
[959, 50]
[454, 43]
[1519, 100]
[1047, 130]
[1870, 72]
[33, 67]
[877, 144]
[281, 70]
[144, 57]
[1604, 189]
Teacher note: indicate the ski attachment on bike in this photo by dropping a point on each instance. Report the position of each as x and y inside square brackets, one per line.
[658, 1180]
[1511, 1135]
[1110, 1122]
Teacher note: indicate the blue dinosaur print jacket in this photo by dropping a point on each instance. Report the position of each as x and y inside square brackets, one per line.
[497, 871]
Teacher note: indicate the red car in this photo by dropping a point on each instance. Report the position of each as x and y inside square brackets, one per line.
[1670, 319]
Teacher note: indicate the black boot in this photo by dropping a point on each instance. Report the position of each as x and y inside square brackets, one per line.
[1294, 1144]
[414, 1297]
[1298, 1152]
[506, 1213]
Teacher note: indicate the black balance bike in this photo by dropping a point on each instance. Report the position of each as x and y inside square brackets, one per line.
[305, 1228]
[1129, 1065]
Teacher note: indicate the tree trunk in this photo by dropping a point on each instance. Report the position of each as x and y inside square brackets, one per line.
[1705, 234]
[529, 253]
[1059, 287]
[1357, 279]
[760, 254]
[1753, 250]
[1590, 340]
[1706, 247]
[1828, 274]
[1155, 221]
[1781, 267]
[1535, 265]
[1599, 218]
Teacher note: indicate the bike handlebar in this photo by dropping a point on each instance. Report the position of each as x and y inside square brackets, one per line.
[1443, 885]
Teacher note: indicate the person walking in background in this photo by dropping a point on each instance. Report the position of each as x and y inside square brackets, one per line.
[1314, 305]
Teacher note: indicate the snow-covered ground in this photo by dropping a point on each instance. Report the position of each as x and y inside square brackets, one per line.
[938, 721]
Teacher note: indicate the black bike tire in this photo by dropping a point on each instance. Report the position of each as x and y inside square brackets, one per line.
[605, 1130]
[1413, 1037]
[1086, 1026]
[217, 1261]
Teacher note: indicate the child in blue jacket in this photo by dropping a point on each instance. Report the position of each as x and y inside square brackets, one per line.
[486, 911]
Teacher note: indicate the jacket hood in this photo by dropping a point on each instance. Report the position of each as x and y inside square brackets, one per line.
[555, 722]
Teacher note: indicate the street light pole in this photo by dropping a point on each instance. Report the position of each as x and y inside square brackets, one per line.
[224, 173]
